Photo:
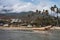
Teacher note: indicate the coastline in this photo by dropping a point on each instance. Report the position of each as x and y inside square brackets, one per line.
[20, 28]
[25, 28]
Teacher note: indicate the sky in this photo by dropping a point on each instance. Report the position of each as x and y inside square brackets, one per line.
[27, 5]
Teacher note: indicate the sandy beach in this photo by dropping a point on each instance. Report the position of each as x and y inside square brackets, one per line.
[25, 28]
[20, 28]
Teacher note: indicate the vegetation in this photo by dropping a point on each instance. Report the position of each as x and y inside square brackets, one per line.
[39, 18]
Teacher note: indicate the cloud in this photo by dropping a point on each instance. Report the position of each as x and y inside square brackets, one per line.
[26, 5]
[23, 7]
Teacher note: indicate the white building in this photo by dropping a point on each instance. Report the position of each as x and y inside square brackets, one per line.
[29, 26]
[16, 20]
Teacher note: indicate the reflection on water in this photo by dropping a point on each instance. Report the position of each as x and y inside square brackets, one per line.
[29, 35]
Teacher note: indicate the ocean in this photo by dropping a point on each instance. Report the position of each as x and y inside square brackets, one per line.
[29, 35]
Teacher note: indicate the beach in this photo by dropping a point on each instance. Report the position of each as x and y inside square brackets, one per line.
[21, 33]
[26, 28]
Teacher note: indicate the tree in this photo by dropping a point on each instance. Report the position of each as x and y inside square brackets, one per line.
[52, 8]
[39, 12]
[55, 9]
[29, 16]
[36, 11]
[46, 12]
[38, 21]
[43, 11]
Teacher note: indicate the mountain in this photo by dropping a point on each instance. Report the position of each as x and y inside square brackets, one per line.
[16, 15]
[31, 14]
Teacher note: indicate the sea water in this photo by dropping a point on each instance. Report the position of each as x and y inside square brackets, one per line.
[29, 35]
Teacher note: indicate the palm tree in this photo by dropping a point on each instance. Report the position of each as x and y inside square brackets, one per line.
[43, 11]
[52, 8]
[46, 12]
[55, 9]
[37, 11]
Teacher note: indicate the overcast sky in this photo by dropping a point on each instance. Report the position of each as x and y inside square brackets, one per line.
[27, 5]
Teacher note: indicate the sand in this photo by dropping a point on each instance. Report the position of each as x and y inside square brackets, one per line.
[25, 28]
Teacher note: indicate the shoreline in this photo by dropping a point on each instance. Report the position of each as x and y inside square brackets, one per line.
[20, 28]
[34, 29]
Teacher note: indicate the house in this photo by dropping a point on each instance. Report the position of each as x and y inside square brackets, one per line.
[1, 23]
[16, 22]
[6, 25]
[29, 26]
